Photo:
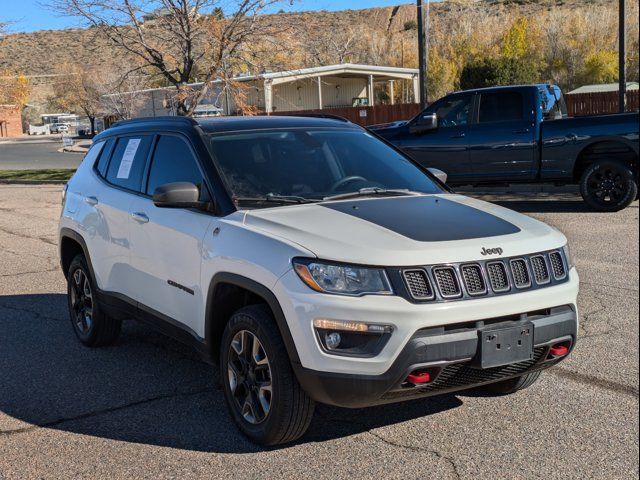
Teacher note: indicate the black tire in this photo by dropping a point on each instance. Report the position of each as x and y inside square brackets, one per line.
[290, 408]
[90, 324]
[512, 385]
[608, 185]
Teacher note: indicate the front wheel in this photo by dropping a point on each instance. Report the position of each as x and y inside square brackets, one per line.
[608, 186]
[262, 392]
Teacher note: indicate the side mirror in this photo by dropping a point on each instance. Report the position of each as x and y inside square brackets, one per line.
[439, 174]
[177, 195]
[425, 123]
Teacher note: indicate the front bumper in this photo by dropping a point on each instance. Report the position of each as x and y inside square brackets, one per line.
[449, 354]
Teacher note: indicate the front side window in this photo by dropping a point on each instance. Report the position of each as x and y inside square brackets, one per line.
[312, 164]
[452, 111]
[128, 161]
[172, 162]
[501, 107]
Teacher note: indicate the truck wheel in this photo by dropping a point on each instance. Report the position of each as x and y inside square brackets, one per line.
[512, 385]
[262, 392]
[92, 327]
[608, 186]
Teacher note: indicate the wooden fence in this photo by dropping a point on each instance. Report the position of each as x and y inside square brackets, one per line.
[366, 115]
[579, 104]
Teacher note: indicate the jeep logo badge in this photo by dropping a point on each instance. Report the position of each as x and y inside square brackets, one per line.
[491, 251]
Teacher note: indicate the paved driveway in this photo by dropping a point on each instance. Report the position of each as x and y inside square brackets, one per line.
[147, 408]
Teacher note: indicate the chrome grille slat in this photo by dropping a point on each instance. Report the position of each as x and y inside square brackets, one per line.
[540, 269]
[473, 279]
[418, 283]
[498, 278]
[447, 281]
[557, 265]
[520, 273]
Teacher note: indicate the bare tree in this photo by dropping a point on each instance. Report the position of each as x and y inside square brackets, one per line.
[78, 91]
[122, 96]
[179, 40]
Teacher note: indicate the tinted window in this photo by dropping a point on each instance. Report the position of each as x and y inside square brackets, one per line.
[452, 111]
[500, 107]
[173, 161]
[104, 157]
[128, 161]
[313, 163]
[93, 152]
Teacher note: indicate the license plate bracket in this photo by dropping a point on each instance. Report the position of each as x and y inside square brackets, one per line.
[504, 345]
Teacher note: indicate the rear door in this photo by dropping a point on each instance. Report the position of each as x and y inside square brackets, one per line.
[446, 147]
[167, 243]
[502, 142]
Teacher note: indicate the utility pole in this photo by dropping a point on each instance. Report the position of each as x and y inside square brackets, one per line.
[422, 55]
[621, 58]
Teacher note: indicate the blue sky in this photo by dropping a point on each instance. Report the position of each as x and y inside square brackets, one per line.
[29, 15]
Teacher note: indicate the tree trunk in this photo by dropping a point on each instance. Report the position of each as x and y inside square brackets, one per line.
[92, 120]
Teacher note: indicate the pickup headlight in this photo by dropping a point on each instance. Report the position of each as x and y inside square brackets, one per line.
[567, 256]
[342, 279]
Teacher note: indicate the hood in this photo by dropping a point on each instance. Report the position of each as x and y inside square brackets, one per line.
[409, 230]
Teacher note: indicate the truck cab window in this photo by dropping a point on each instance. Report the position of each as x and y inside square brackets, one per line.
[453, 111]
[501, 107]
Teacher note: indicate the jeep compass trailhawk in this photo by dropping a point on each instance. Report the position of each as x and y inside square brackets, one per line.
[313, 262]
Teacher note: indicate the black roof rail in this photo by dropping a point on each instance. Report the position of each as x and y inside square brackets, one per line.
[318, 115]
[165, 118]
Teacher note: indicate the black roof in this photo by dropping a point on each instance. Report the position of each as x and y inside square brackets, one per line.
[229, 124]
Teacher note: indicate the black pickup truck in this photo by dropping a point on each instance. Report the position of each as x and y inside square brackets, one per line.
[521, 134]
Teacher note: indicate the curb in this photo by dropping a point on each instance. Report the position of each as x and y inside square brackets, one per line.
[33, 182]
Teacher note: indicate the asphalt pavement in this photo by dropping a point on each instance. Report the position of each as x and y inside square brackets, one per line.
[147, 408]
[36, 154]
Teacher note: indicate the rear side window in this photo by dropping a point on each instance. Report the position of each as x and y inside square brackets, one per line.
[103, 161]
[128, 161]
[93, 152]
[173, 161]
[501, 107]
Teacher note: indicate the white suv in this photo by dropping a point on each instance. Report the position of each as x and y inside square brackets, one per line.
[313, 262]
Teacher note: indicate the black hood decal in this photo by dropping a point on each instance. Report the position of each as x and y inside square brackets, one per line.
[426, 218]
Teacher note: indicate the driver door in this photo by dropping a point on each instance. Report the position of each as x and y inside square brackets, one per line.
[445, 147]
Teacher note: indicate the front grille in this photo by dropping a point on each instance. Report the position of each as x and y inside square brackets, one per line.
[520, 273]
[557, 265]
[498, 277]
[473, 279]
[463, 375]
[540, 270]
[418, 284]
[447, 282]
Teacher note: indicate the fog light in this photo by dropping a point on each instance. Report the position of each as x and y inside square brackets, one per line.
[332, 340]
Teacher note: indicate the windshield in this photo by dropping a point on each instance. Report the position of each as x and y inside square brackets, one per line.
[304, 165]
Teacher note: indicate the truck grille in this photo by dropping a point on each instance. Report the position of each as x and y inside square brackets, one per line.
[540, 270]
[447, 282]
[498, 277]
[472, 280]
[557, 265]
[520, 273]
[418, 284]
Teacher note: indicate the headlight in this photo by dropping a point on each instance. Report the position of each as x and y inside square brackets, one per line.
[567, 256]
[342, 279]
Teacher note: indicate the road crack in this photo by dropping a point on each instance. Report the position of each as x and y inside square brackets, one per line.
[104, 411]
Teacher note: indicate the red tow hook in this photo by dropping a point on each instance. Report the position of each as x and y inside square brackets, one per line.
[559, 349]
[418, 377]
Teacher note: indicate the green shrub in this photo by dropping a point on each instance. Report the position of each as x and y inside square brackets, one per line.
[490, 72]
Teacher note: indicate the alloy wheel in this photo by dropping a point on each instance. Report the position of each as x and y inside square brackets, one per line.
[249, 376]
[81, 301]
[607, 185]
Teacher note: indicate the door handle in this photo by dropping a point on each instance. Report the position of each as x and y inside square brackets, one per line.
[91, 200]
[523, 130]
[140, 217]
[458, 135]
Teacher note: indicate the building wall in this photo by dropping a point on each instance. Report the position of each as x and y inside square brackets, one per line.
[10, 121]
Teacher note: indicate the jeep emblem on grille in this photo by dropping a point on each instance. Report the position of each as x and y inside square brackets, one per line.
[491, 251]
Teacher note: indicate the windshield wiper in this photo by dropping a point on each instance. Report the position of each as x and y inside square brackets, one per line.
[363, 192]
[272, 197]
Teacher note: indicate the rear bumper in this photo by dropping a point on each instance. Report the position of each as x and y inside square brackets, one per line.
[449, 354]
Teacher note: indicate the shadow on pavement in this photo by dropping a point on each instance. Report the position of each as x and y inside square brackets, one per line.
[144, 389]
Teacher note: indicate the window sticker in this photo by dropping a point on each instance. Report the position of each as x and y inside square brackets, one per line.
[127, 158]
